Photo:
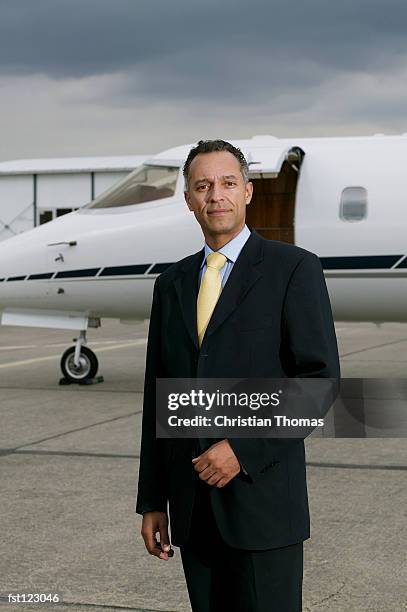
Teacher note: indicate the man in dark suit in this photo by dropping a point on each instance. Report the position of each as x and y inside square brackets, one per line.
[238, 507]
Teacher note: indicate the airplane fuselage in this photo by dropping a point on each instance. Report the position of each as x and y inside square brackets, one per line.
[103, 261]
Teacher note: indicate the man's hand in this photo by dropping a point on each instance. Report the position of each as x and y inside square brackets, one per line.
[217, 465]
[156, 522]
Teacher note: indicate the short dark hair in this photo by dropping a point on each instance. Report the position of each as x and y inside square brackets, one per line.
[211, 146]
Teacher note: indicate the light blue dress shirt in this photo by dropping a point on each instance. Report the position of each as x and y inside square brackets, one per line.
[231, 250]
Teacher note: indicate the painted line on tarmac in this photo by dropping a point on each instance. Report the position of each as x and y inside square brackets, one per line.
[61, 344]
[356, 466]
[71, 388]
[372, 348]
[10, 451]
[13, 364]
[70, 453]
[78, 605]
[21, 451]
[19, 346]
[95, 342]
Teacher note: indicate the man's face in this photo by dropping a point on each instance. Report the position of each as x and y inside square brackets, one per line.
[217, 194]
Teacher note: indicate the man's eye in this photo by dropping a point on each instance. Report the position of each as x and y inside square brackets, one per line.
[202, 187]
[230, 183]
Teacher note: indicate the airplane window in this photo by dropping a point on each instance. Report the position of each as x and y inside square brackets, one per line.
[63, 211]
[144, 184]
[353, 206]
[45, 216]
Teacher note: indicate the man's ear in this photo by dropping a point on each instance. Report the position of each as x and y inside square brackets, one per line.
[249, 192]
[187, 200]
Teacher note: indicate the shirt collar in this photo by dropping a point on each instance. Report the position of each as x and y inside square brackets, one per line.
[231, 249]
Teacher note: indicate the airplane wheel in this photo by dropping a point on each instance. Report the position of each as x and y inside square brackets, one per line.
[88, 364]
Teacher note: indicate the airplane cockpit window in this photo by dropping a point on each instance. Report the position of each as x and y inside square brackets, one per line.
[353, 205]
[145, 184]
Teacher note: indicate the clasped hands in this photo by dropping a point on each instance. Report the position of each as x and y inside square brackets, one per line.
[216, 466]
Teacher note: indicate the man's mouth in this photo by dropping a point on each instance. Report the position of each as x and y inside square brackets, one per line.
[218, 211]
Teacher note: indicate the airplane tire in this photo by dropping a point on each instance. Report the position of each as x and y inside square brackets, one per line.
[88, 365]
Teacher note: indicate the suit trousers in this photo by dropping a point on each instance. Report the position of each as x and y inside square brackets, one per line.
[221, 578]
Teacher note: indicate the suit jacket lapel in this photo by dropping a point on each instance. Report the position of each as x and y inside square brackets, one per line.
[186, 286]
[243, 276]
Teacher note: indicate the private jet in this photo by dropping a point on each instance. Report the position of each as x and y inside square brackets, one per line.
[342, 198]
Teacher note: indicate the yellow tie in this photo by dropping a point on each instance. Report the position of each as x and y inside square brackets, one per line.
[209, 291]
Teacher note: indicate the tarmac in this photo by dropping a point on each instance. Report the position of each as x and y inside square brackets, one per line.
[68, 472]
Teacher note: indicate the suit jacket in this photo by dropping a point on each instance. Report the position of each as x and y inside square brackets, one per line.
[272, 320]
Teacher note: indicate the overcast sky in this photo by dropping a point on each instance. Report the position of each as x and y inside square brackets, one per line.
[117, 77]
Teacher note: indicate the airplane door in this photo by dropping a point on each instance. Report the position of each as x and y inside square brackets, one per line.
[61, 260]
[274, 174]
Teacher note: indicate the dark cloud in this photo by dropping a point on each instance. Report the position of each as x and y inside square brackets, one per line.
[71, 38]
[113, 76]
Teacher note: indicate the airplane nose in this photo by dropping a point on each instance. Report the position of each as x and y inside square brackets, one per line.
[20, 256]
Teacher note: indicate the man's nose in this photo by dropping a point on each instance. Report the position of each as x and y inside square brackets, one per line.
[216, 192]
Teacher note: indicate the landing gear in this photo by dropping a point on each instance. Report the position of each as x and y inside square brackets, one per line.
[79, 364]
